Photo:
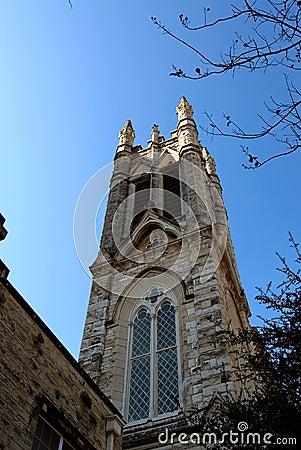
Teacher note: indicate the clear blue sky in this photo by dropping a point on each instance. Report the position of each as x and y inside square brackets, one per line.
[69, 80]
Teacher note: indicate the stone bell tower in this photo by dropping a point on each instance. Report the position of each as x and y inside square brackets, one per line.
[165, 285]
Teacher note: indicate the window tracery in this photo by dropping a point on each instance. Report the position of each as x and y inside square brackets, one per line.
[153, 385]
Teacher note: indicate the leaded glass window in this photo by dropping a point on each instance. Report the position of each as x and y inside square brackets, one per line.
[167, 359]
[47, 438]
[139, 400]
[154, 383]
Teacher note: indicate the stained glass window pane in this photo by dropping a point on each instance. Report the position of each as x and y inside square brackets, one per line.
[166, 334]
[168, 390]
[141, 333]
[140, 389]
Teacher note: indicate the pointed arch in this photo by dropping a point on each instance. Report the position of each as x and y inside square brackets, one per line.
[153, 358]
[160, 370]
[144, 281]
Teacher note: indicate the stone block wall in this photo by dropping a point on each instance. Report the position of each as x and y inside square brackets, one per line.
[39, 378]
[202, 319]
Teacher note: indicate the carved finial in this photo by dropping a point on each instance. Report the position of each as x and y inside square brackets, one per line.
[3, 231]
[155, 134]
[184, 109]
[186, 129]
[209, 161]
[127, 134]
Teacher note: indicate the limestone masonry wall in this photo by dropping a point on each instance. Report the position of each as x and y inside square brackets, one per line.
[40, 378]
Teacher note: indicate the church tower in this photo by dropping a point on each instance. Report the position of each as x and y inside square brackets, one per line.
[165, 286]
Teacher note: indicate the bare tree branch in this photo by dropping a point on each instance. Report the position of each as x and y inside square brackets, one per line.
[272, 39]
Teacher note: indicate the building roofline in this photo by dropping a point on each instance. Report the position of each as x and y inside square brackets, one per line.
[34, 316]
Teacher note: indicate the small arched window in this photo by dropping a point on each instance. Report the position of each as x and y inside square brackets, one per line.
[153, 372]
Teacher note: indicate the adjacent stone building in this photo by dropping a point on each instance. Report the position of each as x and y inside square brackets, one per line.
[165, 287]
[47, 401]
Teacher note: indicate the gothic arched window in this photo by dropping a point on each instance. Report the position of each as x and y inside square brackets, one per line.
[153, 371]
[140, 367]
[167, 365]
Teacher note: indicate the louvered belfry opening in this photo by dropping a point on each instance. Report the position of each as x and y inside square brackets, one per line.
[142, 196]
[172, 193]
[171, 197]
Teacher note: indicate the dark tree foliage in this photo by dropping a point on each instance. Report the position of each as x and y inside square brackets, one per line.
[268, 370]
[282, 334]
[271, 39]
